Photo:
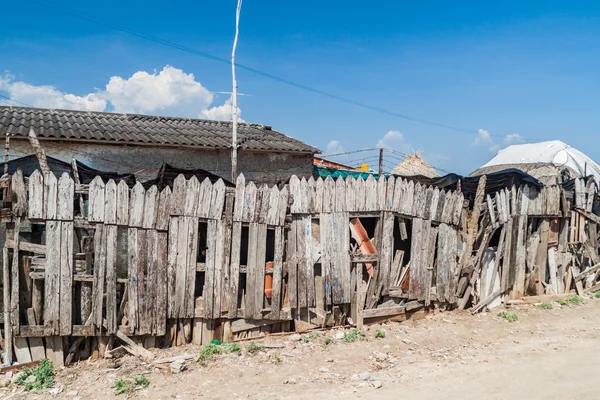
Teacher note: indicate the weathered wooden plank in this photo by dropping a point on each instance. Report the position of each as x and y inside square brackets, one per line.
[273, 209]
[52, 274]
[328, 195]
[350, 194]
[360, 196]
[19, 192]
[225, 243]
[50, 196]
[217, 200]
[409, 198]
[122, 204]
[163, 209]
[238, 208]
[179, 195]
[259, 288]
[208, 293]
[133, 279]
[249, 202]
[36, 196]
[234, 272]
[96, 200]
[250, 297]
[292, 264]
[491, 210]
[389, 193]
[521, 253]
[219, 260]
[344, 255]
[277, 274]
[162, 280]
[371, 202]
[319, 191]
[419, 200]
[136, 206]
[294, 184]
[110, 203]
[591, 192]
[448, 208]
[150, 208]
[66, 278]
[173, 237]
[148, 301]
[340, 195]
[192, 198]
[429, 255]
[282, 205]
[416, 262]
[263, 210]
[141, 327]
[100, 248]
[310, 195]
[458, 208]
[181, 267]
[309, 261]
[381, 193]
[112, 307]
[303, 196]
[65, 198]
[386, 252]
[301, 246]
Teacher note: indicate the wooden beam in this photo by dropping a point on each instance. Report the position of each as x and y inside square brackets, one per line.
[25, 246]
[384, 312]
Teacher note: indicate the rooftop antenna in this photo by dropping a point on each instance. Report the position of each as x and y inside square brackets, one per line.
[234, 108]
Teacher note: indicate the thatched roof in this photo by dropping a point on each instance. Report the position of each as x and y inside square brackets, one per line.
[414, 165]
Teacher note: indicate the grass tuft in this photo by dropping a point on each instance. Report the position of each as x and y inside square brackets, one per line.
[545, 306]
[253, 348]
[512, 317]
[44, 376]
[380, 334]
[353, 336]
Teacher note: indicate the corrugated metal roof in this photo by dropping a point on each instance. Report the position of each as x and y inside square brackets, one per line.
[143, 129]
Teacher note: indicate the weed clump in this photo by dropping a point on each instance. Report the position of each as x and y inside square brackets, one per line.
[512, 317]
[380, 334]
[43, 373]
[353, 336]
[125, 386]
[253, 348]
[545, 306]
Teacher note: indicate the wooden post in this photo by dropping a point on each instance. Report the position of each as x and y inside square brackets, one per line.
[6, 298]
[77, 182]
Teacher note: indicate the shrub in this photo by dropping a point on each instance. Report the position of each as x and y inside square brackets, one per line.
[380, 334]
[253, 348]
[353, 336]
[44, 376]
[509, 317]
[545, 306]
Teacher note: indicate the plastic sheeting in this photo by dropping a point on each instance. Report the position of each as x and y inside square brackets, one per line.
[552, 152]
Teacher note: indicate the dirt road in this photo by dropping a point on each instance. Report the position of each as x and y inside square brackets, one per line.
[547, 354]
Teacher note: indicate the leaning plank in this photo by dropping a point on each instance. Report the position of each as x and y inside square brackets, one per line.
[66, 278]
[384, 312]
[133, 348]
[205, 197]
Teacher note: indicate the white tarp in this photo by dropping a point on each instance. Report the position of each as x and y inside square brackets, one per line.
[553, 152]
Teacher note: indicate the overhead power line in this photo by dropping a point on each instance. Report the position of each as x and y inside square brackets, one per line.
[268, 75]
[15, 101]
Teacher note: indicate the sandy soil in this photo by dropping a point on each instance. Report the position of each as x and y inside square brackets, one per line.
[547, 354]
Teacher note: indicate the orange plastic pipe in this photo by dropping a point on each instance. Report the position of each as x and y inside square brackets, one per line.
[359, 233]
[269, 281]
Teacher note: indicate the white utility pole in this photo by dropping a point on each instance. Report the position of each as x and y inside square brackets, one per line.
[234, 108]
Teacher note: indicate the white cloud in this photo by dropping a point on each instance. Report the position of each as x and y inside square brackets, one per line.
[394, 140]
[484, 139]
[47, 96]
[168, 92]
[334, 147]
[221, 113]
[513, 138]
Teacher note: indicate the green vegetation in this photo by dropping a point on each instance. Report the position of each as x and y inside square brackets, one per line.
[597, 294]
[327, 341]
[213, 348]
[509, 317]
[125, 386]
[572, 299]
[353, 336]
[380, 334]
[43, 373]
[545, 306]
[253, 348]
[276, 358]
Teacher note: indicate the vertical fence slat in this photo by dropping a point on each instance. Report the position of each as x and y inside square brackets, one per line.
[36, 188]
[111, 277]
[150, 208]
[162, 280]
[51, 280]
[110, 203]
[99, 276]
[50, 196]
[173, 238]
[122, 204]
[162, 210]
[96, 200]
[136, 206]
[132, 285]
[66, 277]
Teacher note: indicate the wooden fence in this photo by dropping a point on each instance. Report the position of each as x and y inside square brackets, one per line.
[184, 263]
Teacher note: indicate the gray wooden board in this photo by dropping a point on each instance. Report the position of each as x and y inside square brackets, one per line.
[292, 266]
[190, 276]
[172, 267]
[150, 208]
[192, 198]
[66, 278]
[416, 263]
[122, 204]
[111, 279]
[234, 273]
[301, 245]
[150, 283]
[110, 203]
[309, 261]
[36, 186]
[250, 306]
[386, 248]
[132, 284]
[218, 275]
[178, 196]
[259, 282]
[99, 276]
[181, 266]
[277, 274]
[161, 283]
[163, 210]
[136, 206]
[96, 200]
[51, 281]
[142, 261]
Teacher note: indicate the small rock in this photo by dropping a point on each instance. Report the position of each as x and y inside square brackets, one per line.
[295, 337]
[377, 384]
[409, 353]
[380, 356]
[72, 393]
[56, 390]
[339, 335]
[289, 381]
[363, 376]
[323, 369]
[30, 379]
[178, 366]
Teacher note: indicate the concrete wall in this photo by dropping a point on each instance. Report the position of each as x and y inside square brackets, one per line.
[145, 161]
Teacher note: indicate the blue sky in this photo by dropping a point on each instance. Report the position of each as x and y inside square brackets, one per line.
[505, 73]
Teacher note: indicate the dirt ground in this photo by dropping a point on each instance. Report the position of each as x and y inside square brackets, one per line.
[546, 354]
